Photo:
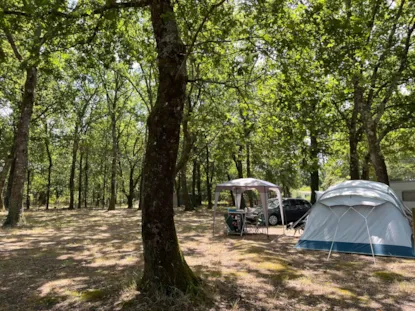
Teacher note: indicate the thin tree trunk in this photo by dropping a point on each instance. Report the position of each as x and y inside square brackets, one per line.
[239, 168]
[111, 206]
[140, 202]
[3, 175]
[248, 173]
[188, 204]
[73, 166]
[49, 167]
[194, 176]
[81, 157]
[232, 196]
[314, 175]
[104, 198]
[131, 187]
[164, 265]
[86, 185]
[198, 184]
[15, 214]
[28, 189]
[208, 183]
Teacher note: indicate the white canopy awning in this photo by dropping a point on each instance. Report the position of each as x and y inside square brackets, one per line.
[238, 186]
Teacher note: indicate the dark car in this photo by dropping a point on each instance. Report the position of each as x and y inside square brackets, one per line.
[294, 209]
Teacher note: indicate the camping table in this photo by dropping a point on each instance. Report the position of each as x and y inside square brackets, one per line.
[242, 214]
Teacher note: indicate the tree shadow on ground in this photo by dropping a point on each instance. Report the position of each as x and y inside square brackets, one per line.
[91, 260]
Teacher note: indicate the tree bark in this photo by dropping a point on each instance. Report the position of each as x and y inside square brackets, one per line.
[49, 167]
[81, 157]
[75, 147]
[3, 175]
[376, 155]
[164, 265]
[15, 214]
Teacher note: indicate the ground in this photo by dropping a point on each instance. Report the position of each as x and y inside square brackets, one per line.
[90, 260]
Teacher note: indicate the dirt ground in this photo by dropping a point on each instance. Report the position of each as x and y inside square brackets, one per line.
[90, 259]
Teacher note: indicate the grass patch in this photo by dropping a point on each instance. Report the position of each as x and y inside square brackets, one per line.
[388, 276]
[93, 295]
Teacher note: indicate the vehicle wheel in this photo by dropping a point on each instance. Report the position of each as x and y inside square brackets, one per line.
[273, 220]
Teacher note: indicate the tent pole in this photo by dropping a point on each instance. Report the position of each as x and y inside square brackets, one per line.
[334, 238]
[370, 241]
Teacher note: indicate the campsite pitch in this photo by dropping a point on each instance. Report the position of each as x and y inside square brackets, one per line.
[91, 259]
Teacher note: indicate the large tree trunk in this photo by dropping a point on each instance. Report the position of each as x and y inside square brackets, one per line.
[81, 157]
[366, 167]
[75, 147]
[164, 264]
[21, 142]
[376, 155]
[111, 206]
[314, 176]
[3, 175]
[49, 167]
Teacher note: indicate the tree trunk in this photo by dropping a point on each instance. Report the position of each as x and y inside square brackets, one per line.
[194, 177]
[111, 206]
[86, 185]
[239, 168]
[314, 176]
[21, 142]
[248, 173]
[366, 167]
[208, 183]
[164, 265]
[49, 167]
[3, 175]
[354, 155]
[131, 187]
[73, 166]
[375, 151]
[104, 188]
[198, 184]
[28, 189]
[81, 157]
[188, 204]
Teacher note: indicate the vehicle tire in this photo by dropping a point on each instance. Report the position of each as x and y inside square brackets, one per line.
[272, 220]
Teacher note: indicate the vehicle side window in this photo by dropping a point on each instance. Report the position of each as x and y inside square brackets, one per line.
[299, 204]
[289, 205]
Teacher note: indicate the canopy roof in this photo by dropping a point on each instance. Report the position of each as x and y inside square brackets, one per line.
[247, 184]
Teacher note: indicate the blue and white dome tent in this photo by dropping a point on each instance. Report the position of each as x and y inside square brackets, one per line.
[362, 217]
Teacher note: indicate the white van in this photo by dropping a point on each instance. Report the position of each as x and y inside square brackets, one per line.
[405, 190]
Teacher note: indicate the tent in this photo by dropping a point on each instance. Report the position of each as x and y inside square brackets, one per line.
[238, 186]
[361, 217]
